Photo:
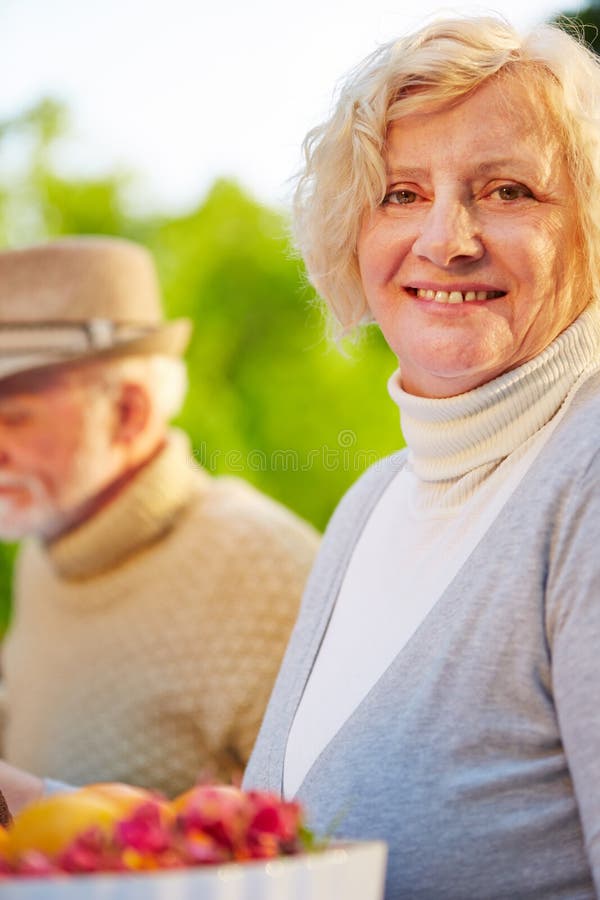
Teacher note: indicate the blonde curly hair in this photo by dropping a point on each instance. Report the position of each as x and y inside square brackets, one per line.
[344, 171]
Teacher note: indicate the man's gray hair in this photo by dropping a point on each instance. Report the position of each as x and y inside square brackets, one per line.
[164, 376]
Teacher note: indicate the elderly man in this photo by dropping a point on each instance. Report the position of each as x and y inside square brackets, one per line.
[153, 602]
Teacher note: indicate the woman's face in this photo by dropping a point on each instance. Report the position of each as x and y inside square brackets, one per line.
[468, 264]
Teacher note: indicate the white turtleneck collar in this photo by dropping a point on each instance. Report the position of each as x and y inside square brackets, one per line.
[449, 439]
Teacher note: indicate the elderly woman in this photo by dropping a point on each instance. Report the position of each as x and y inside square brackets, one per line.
[441, 688]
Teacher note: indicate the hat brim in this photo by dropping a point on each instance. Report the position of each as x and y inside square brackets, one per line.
[167, 339]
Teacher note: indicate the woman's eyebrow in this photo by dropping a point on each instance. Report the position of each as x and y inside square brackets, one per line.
[398, 172]
[409, 173]
[483, 167]
[500, 163]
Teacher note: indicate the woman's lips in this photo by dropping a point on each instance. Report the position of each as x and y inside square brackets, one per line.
[454, 296]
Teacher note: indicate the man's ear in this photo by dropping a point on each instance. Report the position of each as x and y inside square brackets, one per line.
[133, 408]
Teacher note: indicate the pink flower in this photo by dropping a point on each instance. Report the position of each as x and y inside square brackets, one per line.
[34, 863]
[273, 820]
[221, 812]
[199, 849]
[88, 852]
[144, 831]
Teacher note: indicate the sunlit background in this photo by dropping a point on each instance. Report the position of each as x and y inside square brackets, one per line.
[180, 92]
[178, 124]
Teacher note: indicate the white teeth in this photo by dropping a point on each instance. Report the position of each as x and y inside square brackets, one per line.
[455, 296]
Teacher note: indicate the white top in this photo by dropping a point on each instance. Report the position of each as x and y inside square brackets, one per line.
[467, 454]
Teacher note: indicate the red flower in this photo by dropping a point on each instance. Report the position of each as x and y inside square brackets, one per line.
[89, 852]
[221, 812]
[144, 831]
[273, 822]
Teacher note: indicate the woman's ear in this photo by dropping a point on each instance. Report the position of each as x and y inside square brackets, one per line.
[133, 409]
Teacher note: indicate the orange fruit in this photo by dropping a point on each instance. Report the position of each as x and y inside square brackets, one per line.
[125, 797]
[181, 803]
[50, 824]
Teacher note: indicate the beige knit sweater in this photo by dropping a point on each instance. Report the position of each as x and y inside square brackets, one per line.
[145, 643]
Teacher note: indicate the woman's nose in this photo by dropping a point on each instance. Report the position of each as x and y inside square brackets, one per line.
[449, 235]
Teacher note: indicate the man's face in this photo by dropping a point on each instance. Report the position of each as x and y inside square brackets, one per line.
[54, 445]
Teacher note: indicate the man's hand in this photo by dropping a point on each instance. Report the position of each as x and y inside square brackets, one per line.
[19, 787]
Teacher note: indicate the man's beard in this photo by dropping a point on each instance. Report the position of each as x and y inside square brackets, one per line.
[20, 519]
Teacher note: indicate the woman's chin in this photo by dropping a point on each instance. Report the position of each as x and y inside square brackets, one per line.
[437, 378]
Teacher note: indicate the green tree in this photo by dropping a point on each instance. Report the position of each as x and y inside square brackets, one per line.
[270, 399]
[35, 202]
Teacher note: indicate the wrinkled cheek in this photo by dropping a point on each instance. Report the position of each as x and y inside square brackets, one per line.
[370, 289]
[378, 285]
[365, 265]
[572, 285]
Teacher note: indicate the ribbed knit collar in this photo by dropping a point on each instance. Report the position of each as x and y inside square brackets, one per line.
[145, 509]
[448, 438]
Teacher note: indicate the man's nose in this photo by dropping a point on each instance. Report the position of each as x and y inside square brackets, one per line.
[449, 235]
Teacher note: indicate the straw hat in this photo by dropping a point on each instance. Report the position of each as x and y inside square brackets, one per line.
[79, 299]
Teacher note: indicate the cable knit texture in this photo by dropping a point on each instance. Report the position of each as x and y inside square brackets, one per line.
[455, 443]
[144, 644]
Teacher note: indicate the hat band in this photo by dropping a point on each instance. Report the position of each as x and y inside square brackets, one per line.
[24, 338]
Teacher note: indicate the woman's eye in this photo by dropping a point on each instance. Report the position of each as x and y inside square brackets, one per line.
[512, 192]
[400, 197]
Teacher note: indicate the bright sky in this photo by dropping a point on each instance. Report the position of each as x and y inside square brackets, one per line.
[183, 91]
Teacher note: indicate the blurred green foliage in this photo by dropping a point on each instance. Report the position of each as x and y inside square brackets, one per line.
[270, 399]
[585, 22]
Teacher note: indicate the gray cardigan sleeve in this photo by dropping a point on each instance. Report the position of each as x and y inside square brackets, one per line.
[573, 616]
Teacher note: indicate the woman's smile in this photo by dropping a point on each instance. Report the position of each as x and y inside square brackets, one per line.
[454, 295]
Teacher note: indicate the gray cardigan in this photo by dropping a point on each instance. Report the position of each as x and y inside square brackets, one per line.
[476, 756]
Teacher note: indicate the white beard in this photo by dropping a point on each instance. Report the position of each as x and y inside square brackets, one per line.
[16, 520]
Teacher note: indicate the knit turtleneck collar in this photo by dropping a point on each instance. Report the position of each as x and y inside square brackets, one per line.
[449, 438]
[145, 509]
